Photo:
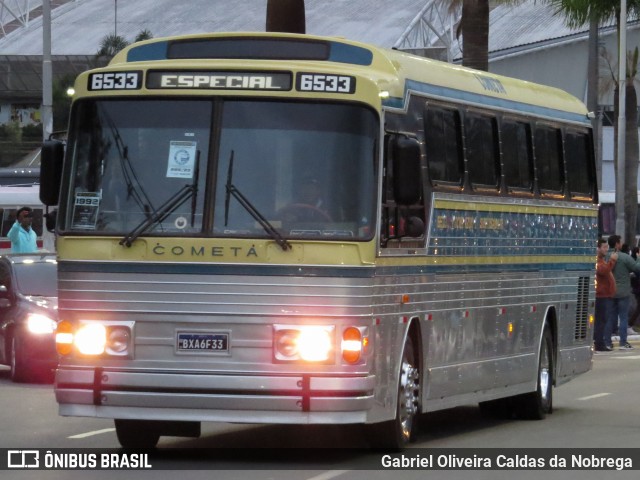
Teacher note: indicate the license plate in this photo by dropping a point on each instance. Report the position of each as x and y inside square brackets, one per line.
[203, 342]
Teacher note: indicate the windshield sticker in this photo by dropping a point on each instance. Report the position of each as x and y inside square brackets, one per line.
[85, 210]
[182, 159]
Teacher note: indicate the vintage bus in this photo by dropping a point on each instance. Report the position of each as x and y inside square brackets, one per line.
[293, 229]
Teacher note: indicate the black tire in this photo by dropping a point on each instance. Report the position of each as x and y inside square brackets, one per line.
[399, 432]
[536, 405]
[137, 433]
[20, 370]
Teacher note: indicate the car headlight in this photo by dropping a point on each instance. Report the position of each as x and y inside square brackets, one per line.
[40, 324]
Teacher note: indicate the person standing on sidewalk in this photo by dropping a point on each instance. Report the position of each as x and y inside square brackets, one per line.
[605, 290]
[622, 270]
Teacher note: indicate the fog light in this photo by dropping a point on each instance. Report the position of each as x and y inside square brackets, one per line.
[91, 339]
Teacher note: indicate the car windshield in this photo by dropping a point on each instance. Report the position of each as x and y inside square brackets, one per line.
[37, 279]
[222, 168]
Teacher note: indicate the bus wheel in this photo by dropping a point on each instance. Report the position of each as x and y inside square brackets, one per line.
[536, 405]
[137, 433]
[399, 432]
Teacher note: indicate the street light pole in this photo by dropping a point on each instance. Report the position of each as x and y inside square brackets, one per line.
[47, 77]
[115, 20]
[622, 91]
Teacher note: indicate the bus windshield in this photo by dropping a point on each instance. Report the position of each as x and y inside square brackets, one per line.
[222, 168]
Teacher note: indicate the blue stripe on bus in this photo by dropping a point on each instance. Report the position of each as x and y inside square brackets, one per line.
[477, 98]
[146, 53]
[311, 271]
[344, 53]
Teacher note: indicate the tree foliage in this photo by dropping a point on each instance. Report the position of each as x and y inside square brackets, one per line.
[111, 44]
[578, 13]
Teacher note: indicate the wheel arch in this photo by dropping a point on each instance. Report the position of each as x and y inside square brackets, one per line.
[414, 333]
[551, 319]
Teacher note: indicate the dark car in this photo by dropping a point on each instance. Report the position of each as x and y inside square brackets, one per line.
[28, 315]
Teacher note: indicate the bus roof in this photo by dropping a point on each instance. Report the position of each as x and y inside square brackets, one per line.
[16, 197]
[394, 72]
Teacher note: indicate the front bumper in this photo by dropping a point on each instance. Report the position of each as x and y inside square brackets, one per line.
[190, 396]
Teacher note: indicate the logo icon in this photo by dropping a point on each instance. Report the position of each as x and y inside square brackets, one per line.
[181, 157]
[23, 459]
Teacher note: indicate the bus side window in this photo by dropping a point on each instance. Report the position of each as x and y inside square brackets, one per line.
[577, 151]
[548, 160]
[443, 146]
[481, 138]
[517, 158]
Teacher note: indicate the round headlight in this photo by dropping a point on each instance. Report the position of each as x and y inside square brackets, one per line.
[118, 340]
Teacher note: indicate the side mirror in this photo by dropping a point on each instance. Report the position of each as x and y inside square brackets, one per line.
[50, 220]
[407, 175]
[414, 227]
[51, 159]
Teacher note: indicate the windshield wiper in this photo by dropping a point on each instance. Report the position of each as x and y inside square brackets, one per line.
[167, 208]
[231, 190]
[159, 215]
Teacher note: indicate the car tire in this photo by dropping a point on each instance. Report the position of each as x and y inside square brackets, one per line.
[137, 433]
[20, 371]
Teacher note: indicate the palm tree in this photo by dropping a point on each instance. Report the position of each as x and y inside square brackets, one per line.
[474, 26]
[110, 45]
[143, 35]
[286, 16]
[631, 138]
[578, 13]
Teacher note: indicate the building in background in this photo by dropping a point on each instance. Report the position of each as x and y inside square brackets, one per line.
[527, 41]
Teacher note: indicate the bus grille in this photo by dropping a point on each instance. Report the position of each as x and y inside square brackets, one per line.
[582, 309]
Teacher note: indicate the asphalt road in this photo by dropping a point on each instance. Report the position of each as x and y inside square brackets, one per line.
[600, 409]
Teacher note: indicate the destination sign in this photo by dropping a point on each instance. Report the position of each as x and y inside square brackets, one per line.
[219, 80]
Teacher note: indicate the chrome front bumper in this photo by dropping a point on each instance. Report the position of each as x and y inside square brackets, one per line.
[153, 395]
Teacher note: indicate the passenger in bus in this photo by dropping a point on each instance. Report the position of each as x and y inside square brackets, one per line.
[605, 289]
[23, 238]
[625, 265]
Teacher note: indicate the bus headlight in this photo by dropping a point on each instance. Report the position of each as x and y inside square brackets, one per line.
[108, 337]
[40, 324]
[118, 341]
[91, 339]
[303, 342]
